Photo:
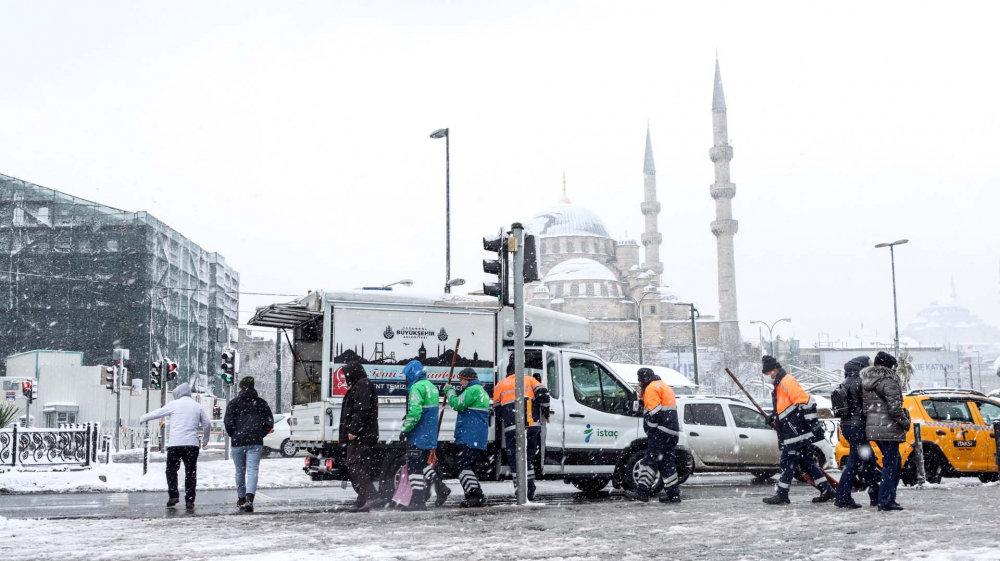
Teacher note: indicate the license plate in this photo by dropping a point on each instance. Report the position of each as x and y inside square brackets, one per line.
[965, 444]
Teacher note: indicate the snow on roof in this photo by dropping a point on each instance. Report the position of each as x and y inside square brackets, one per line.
[567, 220]
[579, 269]
[630, 373]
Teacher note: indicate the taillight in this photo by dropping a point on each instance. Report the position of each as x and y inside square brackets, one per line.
[329, 465]
[270, 431]
[308, 462]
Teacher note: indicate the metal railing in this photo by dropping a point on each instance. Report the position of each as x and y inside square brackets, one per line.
[71, 445]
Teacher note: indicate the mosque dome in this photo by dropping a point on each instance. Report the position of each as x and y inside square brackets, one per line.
[567, 219]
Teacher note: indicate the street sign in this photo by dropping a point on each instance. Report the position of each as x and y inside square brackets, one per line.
[11, 396]
[136, 387]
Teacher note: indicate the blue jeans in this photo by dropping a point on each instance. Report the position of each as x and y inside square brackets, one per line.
[865, 467]
[890, 472]
[247, 460]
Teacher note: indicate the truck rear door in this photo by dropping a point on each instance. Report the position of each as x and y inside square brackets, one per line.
[555, 435]
[598, 419]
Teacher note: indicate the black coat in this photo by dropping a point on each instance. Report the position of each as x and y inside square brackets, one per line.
[852, 383]
[359, 412]
[248, 419]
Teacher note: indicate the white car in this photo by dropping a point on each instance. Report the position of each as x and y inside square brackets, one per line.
[726, 434]
[280, 438]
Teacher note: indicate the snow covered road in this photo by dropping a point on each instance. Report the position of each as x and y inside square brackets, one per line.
[957, 520]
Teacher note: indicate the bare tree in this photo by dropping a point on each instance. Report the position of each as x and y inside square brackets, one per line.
[261, 365]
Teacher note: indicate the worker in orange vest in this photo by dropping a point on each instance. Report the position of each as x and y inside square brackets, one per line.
[536, 408]
[795, 420]
[662, 431]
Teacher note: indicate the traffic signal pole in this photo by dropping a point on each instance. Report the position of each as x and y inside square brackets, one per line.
[118, 407]
[516, 246]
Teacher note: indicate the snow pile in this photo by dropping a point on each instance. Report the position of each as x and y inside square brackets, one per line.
[276, 473]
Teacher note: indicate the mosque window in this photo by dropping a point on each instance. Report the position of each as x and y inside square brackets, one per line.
[562, 245]
[652, 309]
[590, 289]
[574, 289]
[590, 246]
[597, 289]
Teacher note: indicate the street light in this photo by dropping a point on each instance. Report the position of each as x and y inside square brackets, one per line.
[455, 282]
[638, 309]
[404, 282]
[770, 328]
[694, 335]
[895, 309]
[443, 133]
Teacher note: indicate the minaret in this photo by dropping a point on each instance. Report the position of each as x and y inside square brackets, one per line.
[724, 227]
[651, 238]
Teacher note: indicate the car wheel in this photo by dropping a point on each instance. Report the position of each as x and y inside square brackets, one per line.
[288, 448]
[934, 467]
[591, 486]
[763, 476]
[989, 477]
[631, 472]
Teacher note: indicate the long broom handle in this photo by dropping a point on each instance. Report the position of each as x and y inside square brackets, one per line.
[451, 374]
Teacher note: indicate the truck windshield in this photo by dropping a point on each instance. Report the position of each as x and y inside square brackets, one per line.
[595, 387]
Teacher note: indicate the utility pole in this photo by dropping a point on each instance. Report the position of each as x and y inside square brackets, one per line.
[515, 244]
[694, 341]
[118, 407]
[277, 372]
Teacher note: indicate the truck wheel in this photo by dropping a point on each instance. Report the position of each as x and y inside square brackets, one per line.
[591, 486]
[685, 465]
[392, 465]
[632, 471]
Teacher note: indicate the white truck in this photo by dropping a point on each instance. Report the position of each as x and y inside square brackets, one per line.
[594, 436]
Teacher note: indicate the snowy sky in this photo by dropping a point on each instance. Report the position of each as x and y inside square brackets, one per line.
[293, 138]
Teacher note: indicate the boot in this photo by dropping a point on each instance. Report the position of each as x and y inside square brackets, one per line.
[189, 505]
[171, 503]
[890, 507]
[825, 495]
[442, 494]
[777, 499]
[248, 507]
[849, 505]
[474, 502]
[370, 504]
[636, 496]
[670, 497]
[414, 506]
[241, 503]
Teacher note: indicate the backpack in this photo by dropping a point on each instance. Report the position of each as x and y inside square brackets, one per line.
[840, 403]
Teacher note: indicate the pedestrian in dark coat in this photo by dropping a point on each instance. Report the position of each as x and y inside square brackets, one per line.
[248, 420]
[359, 430]
[861, 461]
[886, 422]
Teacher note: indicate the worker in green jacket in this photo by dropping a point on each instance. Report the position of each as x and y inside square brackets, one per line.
[471, 432]
[421, 430]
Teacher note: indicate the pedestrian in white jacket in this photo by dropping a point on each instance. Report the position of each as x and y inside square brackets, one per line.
[187, 417]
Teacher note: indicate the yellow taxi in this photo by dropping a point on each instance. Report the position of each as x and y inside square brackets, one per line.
[957, 434]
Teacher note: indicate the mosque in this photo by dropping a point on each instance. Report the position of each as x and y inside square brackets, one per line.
[588, 273]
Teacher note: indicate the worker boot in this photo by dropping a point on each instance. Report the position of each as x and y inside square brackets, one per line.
[473, 502]
[636, 496]
[670, 497]
[825, 495]
[778, 499]
[443, 492]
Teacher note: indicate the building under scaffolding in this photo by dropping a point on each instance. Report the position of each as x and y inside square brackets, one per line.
[82, 276]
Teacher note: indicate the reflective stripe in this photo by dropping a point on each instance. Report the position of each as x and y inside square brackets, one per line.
[788, 411]
[797, 438]
[668, 431]
[655, 409]
[430, 406]
[810, 416]
[669, 407]
[783, 485]
[512, 427]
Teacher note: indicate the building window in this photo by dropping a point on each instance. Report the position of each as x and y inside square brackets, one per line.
[562, 245]
[592, 288]
[652, 309]
[597, 289]
[112, 245]
[574, 289]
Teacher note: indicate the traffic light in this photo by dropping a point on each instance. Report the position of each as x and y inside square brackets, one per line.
[530, 259]
[216, 412]
[30, 390]
[499, 266]
[229, 359]
[110, 378]
[171, 370]
[156, 375]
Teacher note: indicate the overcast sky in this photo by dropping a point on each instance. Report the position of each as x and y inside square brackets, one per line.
[292, 137]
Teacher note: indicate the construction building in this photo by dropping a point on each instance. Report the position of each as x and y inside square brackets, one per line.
[82, 276]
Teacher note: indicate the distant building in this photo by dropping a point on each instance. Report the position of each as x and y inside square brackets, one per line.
[82, 276]
[949, 322]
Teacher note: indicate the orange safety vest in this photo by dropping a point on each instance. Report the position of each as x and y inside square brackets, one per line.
[658, 395]
[504, 394]
[789, 393]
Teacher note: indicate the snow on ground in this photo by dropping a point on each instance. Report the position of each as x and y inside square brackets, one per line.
[724, 522]
[121, 477]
